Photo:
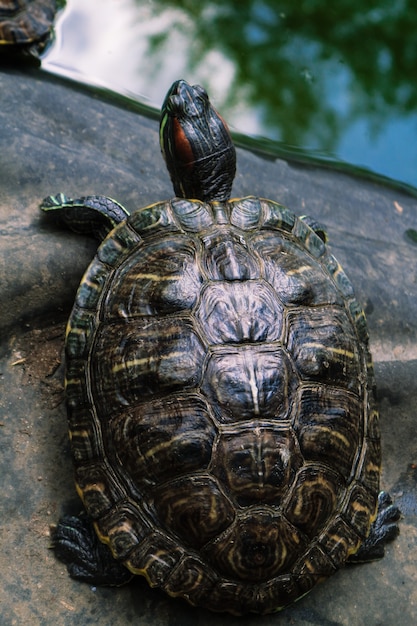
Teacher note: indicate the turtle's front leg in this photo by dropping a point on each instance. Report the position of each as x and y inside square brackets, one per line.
[76, 544]
[96, 215]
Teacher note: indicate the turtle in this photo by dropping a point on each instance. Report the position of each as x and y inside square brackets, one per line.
[220, 390]
[26, 25]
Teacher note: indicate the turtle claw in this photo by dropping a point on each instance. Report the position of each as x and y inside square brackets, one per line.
[384, 528]
[76, 544]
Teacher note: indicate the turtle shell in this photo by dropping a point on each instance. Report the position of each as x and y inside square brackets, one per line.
[26, 22]
[221, 410]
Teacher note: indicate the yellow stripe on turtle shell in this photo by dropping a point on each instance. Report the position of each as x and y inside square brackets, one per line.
[372, 468]
[165, 445]
[76, 330]
[91, 283]
[358, 507]
[334, 435]
[299, 270]
[148, 359]
[300, 502]
[156, 277]
[342, 351]
[83, 434]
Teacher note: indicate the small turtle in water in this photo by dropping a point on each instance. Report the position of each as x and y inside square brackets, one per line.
[26, 25]
[220, 390]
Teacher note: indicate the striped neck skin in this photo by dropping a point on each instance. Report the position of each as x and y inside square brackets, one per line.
[196, 145]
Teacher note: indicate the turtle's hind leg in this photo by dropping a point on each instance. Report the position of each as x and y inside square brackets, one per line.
[384, 528]
[76, 544]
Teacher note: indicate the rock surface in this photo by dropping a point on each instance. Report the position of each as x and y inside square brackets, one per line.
[57, 137]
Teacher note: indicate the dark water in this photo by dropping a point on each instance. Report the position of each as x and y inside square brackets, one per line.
[334, 78]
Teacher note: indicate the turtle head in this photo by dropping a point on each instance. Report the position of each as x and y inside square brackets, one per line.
[196, 144]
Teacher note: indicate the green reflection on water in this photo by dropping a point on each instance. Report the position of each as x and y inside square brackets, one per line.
[337, 77]
[289, 56]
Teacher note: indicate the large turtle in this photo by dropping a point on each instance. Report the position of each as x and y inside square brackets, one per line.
[26, 25]
[220, 390]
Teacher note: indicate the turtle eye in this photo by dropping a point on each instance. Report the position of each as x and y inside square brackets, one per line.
[201, 92]
[175, 105]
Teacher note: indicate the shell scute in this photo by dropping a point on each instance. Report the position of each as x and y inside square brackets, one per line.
[276, 216]
[155, 557]
[313, 243]
[371, 464]
[339, 276]
[372, 423]
[192, 579]
[194, 508]
[76, 385]
[260, 545]
[245, 213]
[118, 245]
[313, 568]
[226, 257]
[358, 315]
[153, 220]
[328, 427]
[314, 498]
[257, 462]
[323, 344]
[235, 312]
[161, 278]
[339, 541]
[296, 278]
[91, 286]
[147, 357]
[249, 381]
[194, 216]
[124, 527]
[357, 508]
[98, 487]
[84, 438]
[80, 330]
[164, 438]
[277, 593]
[263, 598]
